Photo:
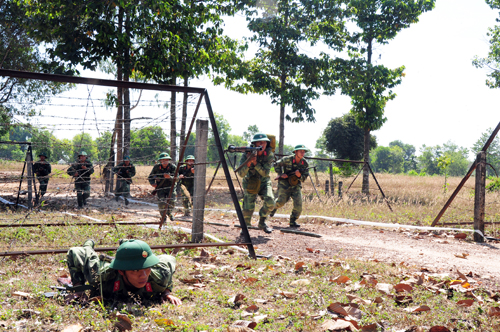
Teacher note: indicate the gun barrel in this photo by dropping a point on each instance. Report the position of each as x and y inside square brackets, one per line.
[244, 149]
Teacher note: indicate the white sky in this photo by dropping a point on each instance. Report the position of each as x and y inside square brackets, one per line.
[443, 97]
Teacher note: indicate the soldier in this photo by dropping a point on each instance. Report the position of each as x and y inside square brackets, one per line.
[256, 181]
[186, 174]
[161, 178]
[42, 169]
[81, 171]
[135, 273]
[292, 171]
[125, 171]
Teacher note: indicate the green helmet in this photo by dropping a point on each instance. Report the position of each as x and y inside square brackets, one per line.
[133, 255]
[300, 147]
[43, 154]
[164, 155]
[260, 137]
[83, 153]
[126, 158]
[189, 158]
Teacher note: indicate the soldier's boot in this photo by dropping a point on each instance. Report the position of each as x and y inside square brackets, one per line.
[126, 200]
[187, 213]
[117, 198]
[171, 216]
[85, 196]
[89, 243]
[262, 225]
[273, 212]
[293, 223]
[79, 198]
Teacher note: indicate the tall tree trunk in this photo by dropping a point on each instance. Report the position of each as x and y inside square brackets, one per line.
[184, 113]
[366, 151]
[119, 120]
[126, 96]
[282, 118]
[173, 131]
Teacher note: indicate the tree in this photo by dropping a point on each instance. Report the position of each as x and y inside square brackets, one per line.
[147, 144]
[433, 160]
[251, 131]
[493, 152]
[20, 52]
[224, 129]
[388, 159]
[410, 162]
[345, 139]
[369, 85]
[492, 61]
[279, 69]
[84, 142]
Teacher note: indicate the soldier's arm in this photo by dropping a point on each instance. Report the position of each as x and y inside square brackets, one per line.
[131, 173]
[151, 177]
[244, 169]
[71, 170]
[91, 169]
[278, 167]
[49, 169]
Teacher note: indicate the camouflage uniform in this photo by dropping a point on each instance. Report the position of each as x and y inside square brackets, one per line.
[85, 266]
[82, 180]
[188, 182]
[260, 171]
[125, 174]
[163, 187]
[287, 165]
[42, 169]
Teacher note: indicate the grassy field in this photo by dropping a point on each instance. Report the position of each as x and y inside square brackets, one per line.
[273, 295]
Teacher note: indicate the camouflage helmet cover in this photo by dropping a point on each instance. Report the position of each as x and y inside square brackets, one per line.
[300, 147]
[126, 158]
[260, 137]
[43, 153]
[164, 155]
[83, 153]
[190, 157]
[133, 255]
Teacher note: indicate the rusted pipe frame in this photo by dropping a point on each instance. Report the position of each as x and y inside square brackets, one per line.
[235, 173]
[471, 223]
[213, 178]
[315, 188]
[353, 180]
[327, 159]
[380, 188]
[90, 223]
[167, 246]
[234, 197]
[493, 168]
[455, 193]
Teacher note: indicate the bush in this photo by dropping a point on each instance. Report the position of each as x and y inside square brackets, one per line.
[494, 184]
[413, 173]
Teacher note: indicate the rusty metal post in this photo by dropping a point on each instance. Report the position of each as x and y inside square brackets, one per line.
[332, 184]
[480, 194]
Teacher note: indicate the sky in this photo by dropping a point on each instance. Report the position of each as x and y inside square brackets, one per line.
[442, 98]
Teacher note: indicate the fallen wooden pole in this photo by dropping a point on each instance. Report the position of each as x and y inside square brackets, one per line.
[300, 232]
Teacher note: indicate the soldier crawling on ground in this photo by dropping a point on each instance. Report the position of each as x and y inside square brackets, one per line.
[135, 273]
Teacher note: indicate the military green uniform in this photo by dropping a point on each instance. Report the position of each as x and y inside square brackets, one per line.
[163, 187]
[291, 186]
[256, 181]
[82, 180]
[42, 169]
[188, 182]
[85, 266]
[125, 175]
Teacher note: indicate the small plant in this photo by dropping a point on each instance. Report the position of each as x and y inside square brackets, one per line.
[494, 185]
[413, 173]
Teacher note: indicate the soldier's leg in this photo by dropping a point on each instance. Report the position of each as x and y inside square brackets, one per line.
[248, 207]
[297, 206]
[162, 201]
[266, 193]
[79, 194]
[283, 197]
[86, 192]
[43, 186]
[170, 207]
[83, 264]
[186, 201]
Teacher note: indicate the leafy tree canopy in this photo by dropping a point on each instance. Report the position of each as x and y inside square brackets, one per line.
[493, 152]
[147, 143]
[344, 138]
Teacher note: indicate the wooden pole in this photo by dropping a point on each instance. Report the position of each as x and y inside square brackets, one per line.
[199, 180]
[480, 193]
[340, 188]
[332, 185]
[327, 186]
[29, 171]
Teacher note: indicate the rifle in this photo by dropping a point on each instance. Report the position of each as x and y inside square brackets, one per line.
[292, 178]
[251, 151]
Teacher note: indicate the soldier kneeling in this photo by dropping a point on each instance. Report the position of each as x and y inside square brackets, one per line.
[136, 273]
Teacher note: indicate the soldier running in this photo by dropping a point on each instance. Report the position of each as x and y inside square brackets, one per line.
[161, 178]
[125, 171]
[42, 169]
[256, 181]
[81, 171]
[292, 171]
[186, 176]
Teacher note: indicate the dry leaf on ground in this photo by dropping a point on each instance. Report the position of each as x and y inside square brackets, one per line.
[338, 325]
[418, 309]
[340, 280]
[300, 282]
[73, 328]
[402, 288]
[465, 303]
[384, 288]
[337, 308]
